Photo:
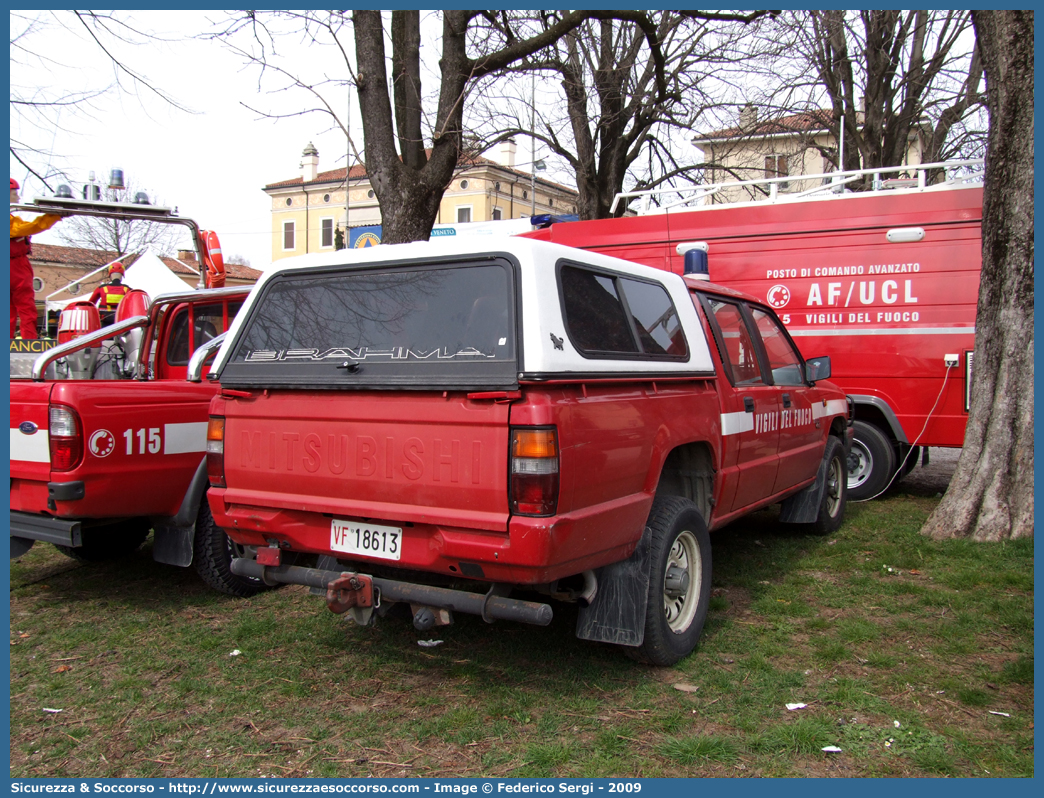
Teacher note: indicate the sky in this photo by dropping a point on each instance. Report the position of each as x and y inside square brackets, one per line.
[211, 165]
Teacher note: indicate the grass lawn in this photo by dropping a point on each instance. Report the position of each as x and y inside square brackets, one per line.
[915, 658]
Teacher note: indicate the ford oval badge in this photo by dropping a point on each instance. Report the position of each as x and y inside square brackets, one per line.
[27, 428]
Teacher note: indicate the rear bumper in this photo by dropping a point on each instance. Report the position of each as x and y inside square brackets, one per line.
[31, 497]
[61, 532]
[532, 551]
[66, 491]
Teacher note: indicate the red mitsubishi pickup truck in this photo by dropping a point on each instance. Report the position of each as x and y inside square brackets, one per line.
[444, 423]
[108, 438]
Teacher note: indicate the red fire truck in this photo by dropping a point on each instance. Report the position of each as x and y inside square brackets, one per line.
[885, 281]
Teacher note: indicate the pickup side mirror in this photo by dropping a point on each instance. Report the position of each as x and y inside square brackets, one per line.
[817, 368]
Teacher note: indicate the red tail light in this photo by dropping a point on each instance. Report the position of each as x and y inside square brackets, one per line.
[534, 471]
[216, 451]
[65, 435]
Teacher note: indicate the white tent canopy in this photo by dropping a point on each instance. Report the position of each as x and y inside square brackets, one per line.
[151, 275]
[148, 273]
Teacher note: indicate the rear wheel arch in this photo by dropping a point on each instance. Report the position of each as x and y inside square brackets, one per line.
[688, 472]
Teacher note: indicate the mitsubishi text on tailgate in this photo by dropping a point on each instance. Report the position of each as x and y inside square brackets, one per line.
[443, 424]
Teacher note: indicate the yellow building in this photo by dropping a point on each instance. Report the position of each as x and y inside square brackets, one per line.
[308, 210]
[787, 147]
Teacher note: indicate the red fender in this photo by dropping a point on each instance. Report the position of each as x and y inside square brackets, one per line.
[213, 260]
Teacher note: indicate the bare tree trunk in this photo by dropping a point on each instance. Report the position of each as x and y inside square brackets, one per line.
[991, 494]
[409, 188]
[409, 183]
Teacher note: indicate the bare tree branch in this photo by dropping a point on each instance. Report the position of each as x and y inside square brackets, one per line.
[38, 109]
[116, 235]
[623, 97]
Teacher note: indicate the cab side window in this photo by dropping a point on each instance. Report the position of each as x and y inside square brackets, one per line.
[739, 348]
[784, 362]
[208, 322]
[178, 340]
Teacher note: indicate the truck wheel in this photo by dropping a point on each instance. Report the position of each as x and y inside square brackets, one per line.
[835, 490]
[212, 555]
[871, 462]
[111, 542]
[679, 582]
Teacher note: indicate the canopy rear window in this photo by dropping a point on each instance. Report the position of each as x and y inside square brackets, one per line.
[415, 327]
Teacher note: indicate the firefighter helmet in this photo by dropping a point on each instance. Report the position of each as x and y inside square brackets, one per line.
[14, 185]
[116, 268]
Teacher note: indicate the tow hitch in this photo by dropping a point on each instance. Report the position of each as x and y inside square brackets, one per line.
[347, 592]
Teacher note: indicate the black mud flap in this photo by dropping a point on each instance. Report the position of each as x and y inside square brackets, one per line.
[20, 546]
[172, 545]
[174, 536]
[617, 614]
[803, 507]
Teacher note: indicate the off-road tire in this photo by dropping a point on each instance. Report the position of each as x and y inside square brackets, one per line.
[835, 490]
[871, 462]
[110, 542]
[675, 614]
[212, 555]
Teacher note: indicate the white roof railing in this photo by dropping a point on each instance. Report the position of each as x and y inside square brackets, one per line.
[889, 178]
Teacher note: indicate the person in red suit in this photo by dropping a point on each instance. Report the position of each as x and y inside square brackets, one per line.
[108, 296]
[23, 302]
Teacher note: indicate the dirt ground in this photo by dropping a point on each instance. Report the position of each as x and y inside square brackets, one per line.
[936, 477]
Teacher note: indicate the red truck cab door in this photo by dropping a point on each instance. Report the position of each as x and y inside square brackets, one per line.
[800, 430]
[191, 325]
[749, 409]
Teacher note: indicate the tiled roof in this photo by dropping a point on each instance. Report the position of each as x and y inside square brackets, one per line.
[359, 173]
[239, 272]
[333, 176]
[796, 123]
[179, 267]
[187, 268]
[72, 256]
[93, 258]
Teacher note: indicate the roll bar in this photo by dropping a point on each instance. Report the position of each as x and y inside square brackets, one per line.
[41, 363]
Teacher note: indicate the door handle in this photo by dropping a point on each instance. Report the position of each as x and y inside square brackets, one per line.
[786, 400]
[748, 404]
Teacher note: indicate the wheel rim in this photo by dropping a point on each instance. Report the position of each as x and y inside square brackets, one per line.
[833, 487]
[683, 580]
[860, 465]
